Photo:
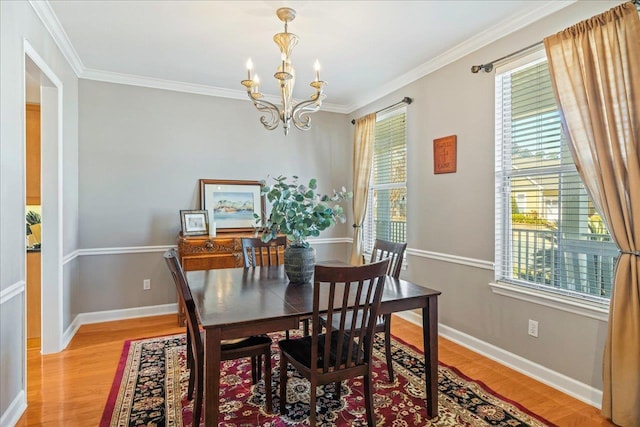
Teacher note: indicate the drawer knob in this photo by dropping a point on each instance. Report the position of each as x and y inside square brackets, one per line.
[208, 245]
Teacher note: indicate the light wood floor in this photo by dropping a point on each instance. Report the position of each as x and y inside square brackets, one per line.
[70, 388]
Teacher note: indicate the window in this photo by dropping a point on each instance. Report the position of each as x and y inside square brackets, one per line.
[386, 216]
[548, 234]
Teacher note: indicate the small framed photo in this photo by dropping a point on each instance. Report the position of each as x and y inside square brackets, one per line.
[194, 223]
[232, 204]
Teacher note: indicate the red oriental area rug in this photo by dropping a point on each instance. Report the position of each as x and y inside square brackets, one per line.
[150, 389]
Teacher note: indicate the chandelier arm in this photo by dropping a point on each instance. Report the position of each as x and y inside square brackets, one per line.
[264, 106]
[300, 113]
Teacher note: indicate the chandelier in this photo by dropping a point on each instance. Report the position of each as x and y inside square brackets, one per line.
[286, 76]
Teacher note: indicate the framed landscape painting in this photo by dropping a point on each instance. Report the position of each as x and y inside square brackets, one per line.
[231, 204]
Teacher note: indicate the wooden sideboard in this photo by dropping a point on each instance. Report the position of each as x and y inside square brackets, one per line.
[208, 252]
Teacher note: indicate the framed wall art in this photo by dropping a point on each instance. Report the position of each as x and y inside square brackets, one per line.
[194, 223]
[232, 204]
[444, 154]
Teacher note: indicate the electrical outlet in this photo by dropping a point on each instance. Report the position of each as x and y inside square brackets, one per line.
[146, 285]
[533, 328]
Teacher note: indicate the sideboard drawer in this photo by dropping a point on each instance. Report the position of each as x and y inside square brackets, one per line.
[212, 245]
[212, 261]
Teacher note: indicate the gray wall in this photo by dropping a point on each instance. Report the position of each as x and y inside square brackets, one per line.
[142, 152]
[141, 156]
[18, 22]
[453, 214]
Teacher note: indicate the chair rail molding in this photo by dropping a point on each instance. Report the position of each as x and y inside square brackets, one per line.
[12, 291]
[163, 248]
[456, 259]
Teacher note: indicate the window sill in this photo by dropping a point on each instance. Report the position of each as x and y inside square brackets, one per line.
[589, 309]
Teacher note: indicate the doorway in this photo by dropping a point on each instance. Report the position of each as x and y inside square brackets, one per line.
[33, 210]
[48, 90]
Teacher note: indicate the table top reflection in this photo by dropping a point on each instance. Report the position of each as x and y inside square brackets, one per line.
[246, 295]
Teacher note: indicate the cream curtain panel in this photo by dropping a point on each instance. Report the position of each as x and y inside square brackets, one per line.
[362, 155]
[595, 69]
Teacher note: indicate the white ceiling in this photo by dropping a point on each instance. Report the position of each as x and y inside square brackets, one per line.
[366, 48]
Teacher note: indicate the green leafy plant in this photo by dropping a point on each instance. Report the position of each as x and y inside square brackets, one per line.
[299, 212]
[31, 219]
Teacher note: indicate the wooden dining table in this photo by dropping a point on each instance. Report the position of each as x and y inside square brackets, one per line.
[239, 302]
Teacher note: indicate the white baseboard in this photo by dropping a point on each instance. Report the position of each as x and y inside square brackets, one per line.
[558, 381]
[410, 316]
[14, 411]
[70, 332]
[111, 315]
[561, 382]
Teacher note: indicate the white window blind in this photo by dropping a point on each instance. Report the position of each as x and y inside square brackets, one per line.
[548, 234]
[386, 216]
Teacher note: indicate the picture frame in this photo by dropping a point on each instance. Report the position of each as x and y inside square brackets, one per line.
[194, 222]
[445, 154]
[231, 204]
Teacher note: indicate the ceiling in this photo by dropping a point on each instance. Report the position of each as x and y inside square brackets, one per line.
[366, 48]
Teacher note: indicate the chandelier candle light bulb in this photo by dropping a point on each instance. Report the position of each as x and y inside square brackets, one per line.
[299, 113]
[249, 67]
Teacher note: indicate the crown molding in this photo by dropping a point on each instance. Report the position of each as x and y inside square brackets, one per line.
[482, 39]
[52, 24]
[174, 85]
[49, 19]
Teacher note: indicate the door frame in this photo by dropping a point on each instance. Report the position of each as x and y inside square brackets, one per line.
[51, 112]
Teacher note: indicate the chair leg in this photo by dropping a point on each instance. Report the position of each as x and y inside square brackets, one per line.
[338, 385]
[387, 345]
[283, 383]
[368, 400]
[286, 334]
[189, 351]
[197, 403]
[267, 379]
[192, 381]
[192, 369]
[259, 367]
[312, 403]
[305, 324]
[254, 369]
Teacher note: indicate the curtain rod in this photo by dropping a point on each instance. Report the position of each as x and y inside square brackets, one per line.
[488, 67]
[405, 100]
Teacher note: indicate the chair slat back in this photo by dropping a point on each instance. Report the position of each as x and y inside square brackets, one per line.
[171, 257]
[256, 252]
[355, 290]
[394, 251]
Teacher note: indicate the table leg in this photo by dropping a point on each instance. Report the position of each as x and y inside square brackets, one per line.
[430, 341]
[211, 398]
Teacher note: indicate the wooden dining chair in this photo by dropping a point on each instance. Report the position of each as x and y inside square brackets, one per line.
[383, 249]
[258, 347]
[344, 352]
[395, 253]
[256, 252]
